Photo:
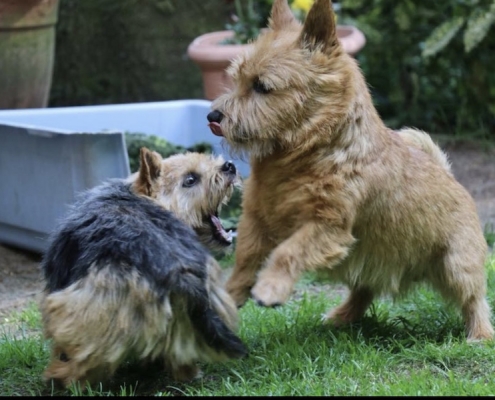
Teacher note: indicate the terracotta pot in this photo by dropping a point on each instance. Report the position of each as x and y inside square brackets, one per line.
[213, 57]
[27, 47]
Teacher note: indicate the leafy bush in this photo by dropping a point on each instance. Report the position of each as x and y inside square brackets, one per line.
[249, 17]
[489, 232]
[246, 21]
[428, 62]
[134, 142]
[143, 59]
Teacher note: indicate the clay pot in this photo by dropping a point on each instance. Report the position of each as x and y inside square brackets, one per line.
[27, 47]
[213, 57]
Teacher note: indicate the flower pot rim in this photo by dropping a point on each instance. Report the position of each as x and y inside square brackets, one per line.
[207, 47]
[351, 38]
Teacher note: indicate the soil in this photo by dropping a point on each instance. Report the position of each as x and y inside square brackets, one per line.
[472, 163]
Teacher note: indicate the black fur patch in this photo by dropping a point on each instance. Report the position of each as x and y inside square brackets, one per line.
[110, 225]
[216, 334]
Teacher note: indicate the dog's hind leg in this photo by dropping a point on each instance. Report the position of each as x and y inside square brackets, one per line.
[476, 313]
[352, 309]
[310, 247]
[463, 281]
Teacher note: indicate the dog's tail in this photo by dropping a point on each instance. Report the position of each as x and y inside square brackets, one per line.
[423, 141]
[211, 310]
[215, 331]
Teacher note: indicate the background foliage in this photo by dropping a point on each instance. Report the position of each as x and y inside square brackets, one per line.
[428, 62]
[124, 51]
[135, 140]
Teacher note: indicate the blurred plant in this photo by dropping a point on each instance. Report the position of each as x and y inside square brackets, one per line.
[246, 22]
[489, 232]
[476, 20]
[428, 62]
[135, 140]
[232, 211]
[164, 6]
[249, 17]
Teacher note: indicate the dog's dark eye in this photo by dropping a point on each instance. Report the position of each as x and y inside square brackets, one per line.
[260, 87]
[190, 180]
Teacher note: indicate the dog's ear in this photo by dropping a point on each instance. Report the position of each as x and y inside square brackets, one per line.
[319, 29]
[150, 163]
[281, 16]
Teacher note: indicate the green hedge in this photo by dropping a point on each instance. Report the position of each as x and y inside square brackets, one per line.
[126, 51]
[135, 140]
[429, 63]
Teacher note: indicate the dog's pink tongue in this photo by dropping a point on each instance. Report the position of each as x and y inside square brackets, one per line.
[215, 128]
[220, 229]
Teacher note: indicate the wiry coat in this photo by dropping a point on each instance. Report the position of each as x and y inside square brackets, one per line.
[333, 189]
[126, 278]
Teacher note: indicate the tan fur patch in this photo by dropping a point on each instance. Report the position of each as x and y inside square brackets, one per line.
[195, 204]
[333, 189]
[91, 341]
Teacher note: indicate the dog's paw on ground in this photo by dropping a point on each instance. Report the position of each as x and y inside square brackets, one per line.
[271, 292]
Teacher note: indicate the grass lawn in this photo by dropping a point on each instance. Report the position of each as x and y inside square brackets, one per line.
[415, 347]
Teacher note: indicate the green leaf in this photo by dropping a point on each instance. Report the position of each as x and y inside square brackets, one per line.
[478, 25]
[403, 14]
[135, 140]
[352, 4]
[441, 36]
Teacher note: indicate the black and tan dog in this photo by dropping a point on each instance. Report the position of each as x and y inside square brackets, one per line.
[127, 275]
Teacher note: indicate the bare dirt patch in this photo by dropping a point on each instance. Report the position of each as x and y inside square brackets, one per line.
[20, 279]
[472, 164]
[474, 167]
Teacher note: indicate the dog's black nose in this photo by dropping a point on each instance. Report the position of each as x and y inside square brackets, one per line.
[215, 116]
[229, 167]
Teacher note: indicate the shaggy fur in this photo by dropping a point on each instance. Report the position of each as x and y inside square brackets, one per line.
[126, 274]
[333, 189]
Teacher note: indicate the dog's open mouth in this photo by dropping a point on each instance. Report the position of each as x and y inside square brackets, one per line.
[219, 232]
[215, 128]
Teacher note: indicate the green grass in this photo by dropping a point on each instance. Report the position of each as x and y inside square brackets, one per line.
[489, 232]
[414, 347]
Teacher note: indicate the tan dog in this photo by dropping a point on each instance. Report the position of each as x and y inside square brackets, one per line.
[332, 188]
[126, 275]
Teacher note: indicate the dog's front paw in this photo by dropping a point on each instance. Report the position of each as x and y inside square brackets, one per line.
[271, 292]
